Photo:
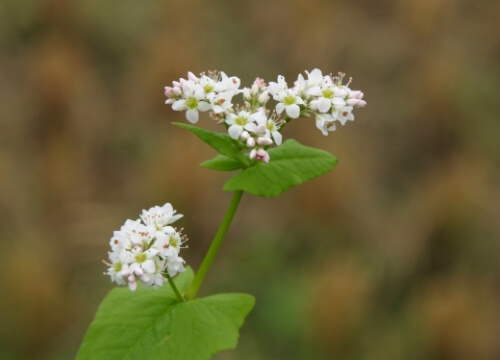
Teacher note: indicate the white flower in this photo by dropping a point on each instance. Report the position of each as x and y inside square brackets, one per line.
[325, 123]
[115, 268]
[175, 264]
[208, 85]
[344, 114]
[221, 102]
[314, 78]
[160, 216]
[228, 83]
[239, 122]
[270, 126]
[157, 278]
[194, 100]
[275, 88]
[289, 101]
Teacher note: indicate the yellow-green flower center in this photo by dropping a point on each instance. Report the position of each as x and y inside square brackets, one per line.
[289, 100]
[173, 241]
[241, 120]
[191, 103]
[140, 258]
[327, 93]
[208, 88]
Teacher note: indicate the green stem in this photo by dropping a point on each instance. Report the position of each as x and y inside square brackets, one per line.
[214, 247]
[176, 291]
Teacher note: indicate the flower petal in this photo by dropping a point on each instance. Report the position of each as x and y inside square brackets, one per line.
[293, 111]
[235, 131]
[192, 116]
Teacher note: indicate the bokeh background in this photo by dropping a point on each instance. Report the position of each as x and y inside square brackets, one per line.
[393, 255]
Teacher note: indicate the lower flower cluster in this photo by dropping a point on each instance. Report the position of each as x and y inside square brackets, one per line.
[146, 249]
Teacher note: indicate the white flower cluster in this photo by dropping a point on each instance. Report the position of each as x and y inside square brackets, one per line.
[324, 96]
[145, 250]
[250, 125]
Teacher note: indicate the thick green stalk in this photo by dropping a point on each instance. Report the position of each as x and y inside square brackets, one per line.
[214, 247]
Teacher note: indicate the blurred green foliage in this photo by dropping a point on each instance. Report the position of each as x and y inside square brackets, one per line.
[395, 254]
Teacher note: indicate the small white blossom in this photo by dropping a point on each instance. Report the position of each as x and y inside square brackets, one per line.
[175, 264]
[239, 122]
[271, 129]
[289, 101]
[325, 123]
[160, 216]
[193, 100]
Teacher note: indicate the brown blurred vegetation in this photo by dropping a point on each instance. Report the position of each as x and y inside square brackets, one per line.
[393, 255]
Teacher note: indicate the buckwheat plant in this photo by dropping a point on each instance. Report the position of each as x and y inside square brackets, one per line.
[150, 320]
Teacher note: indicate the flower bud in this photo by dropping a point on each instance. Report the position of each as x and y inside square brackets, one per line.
[125, 272]
[263, 141]
[262, 155]
[246, 94]
[192, 77]
[356, 103]
[244, 135]
[255, 89]
[263, 97]
[356, 94]
[251, 142]
[261, 129]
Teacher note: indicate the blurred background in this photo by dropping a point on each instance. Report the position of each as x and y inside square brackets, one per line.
[393, 255]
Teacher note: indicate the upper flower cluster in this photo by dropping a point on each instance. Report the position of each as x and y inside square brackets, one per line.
[146, 248]
[252, 125]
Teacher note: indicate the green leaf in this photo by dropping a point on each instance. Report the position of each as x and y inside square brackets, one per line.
[291, 164]
[152, 324]
[220, 142]
[222, 163]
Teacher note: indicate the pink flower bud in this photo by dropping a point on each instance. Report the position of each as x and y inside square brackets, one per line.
[262, 155]
[259, 82]
[253, 153]
[251, 142]
[261, 129]
[132, 285]
[125, 272]
[356, 103]
[263, 141]
[356, 94]
[244, 135]
[168, 91]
